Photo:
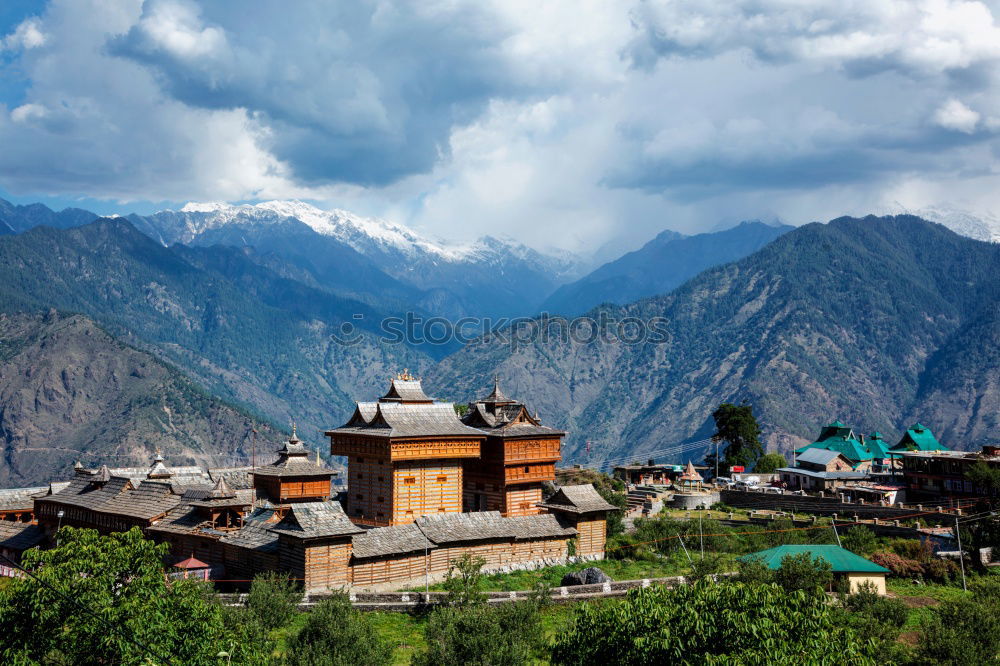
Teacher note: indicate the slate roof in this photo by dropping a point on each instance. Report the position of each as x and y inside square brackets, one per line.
[456, 527]
[817, 456]
[20, 536]
[407, 390]
[395, 540]
[150, 500]
[830, 476]
[578, 499]
[183, 519]
[293, 460]
[541, 526]
[89, 492]
[841, 559]
[498, 415]
[236, 477]
[396, 419]
[13, 499]
[254, 535]
[309, 520]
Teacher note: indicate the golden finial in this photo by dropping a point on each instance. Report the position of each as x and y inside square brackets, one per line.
[294, 436]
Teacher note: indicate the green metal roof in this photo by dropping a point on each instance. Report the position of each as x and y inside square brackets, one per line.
[879, 447]
[919, 437]
[841, 559]
[852, 449]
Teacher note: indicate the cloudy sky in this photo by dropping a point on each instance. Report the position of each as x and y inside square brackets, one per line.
[561, 123]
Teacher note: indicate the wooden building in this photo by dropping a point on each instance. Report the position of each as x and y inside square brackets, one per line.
[293, 477]
[518, 456]
[582, 508]
[405, 456]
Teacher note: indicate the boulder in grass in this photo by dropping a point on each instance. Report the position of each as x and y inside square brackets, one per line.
[588, 576]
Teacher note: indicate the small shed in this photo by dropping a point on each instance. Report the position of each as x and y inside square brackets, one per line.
[856, 569]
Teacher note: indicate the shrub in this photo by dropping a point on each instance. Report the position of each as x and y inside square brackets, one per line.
[899, 566]
[711, 564]
[883, 611]
[464, 582]
[803, 572]
[860, 540]
[273, 599]
[501, 635]
[335, 634]
[712, 623]
[753, 571]
[940, 571]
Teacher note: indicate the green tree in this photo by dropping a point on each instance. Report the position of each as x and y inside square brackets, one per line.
[104, 600]
[736, 426]
[273, 600]
[803, 572]
[615, 523]
[500, 635]
[715, 623]
[464, 581]
[965, 631]
[753, 571]
[769, 462]
[335, 634]
[860, 540]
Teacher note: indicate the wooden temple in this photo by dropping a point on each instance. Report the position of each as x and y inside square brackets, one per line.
[518, 456]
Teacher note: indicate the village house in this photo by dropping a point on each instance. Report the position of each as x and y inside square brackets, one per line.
[855, 570]
[820, 470]
[934, 473]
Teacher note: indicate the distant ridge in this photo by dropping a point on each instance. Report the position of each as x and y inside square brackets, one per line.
[660, 266]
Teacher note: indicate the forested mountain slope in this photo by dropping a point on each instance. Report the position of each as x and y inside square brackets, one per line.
[69, 391]
[246, 333]
[875, 321]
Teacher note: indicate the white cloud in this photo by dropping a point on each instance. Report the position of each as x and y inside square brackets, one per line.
[561, 123]
[28, 35]
[954, 115]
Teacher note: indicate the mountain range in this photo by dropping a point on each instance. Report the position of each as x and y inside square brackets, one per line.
[70, 392]
[877, 321]
[659, 266]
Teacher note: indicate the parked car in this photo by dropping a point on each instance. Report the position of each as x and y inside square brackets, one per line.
[724, 481]
[747, 485]
[773, 490]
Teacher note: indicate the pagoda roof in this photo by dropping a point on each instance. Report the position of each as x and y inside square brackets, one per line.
[405, 389]
[499, 415]
[395, 419]
[690, 474]
[293, 460]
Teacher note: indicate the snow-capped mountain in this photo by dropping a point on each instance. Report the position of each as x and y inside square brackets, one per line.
[490, 276]
[980, 226]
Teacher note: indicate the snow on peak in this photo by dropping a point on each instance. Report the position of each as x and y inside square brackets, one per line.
[980, 226]
[361, 233]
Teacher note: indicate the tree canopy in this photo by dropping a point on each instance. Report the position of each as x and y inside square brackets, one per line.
[769, 462]
[712, 623]
[104, 600]
[738, 428]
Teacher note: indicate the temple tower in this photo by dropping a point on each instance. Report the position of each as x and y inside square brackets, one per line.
[404, 456]
[519, 454]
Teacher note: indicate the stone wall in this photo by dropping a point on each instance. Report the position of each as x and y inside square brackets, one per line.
[827, 506]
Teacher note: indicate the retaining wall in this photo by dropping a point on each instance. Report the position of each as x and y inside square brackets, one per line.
[827, 506]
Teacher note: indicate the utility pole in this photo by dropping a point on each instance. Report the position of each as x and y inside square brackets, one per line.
[961, 555]
[681, 539]
[835, 530]
[701, 536]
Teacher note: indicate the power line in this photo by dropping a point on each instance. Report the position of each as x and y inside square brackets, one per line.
[88, 611]
[679, 448]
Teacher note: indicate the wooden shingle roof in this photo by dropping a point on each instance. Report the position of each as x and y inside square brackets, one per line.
[254, 535]
[150, 500]
[396, 419]
[293, 460]
[15, 499]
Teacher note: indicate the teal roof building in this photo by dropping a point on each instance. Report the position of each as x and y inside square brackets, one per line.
[919, 437]
[840, 438]
[840, 559]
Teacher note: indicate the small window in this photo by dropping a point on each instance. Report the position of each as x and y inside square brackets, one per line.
[527, 470]
[410, 480]
[361, 460]
[380, 499]
[442, 479]
[409, 512]
[381, 479]
[361, 475]
[480, 486]
[524, 505]
[358, 497]
[441, 509]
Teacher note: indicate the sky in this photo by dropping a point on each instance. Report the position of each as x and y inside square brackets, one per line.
[566, 123]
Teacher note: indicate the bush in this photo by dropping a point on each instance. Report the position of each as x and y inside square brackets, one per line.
[860, 540]
[501, 635]
[753, 571]
[962, 632]
[464, 583]
[803, 572]
[335, 634]
[884, 612]
[941, 571]
[899, 566]
[712, 623]
[273, 599]
[711, 564]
